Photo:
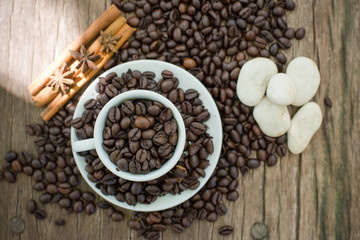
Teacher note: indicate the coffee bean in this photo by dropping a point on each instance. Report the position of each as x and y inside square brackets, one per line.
[88, 196]
[60, 222]
[10, 176]
[39, 186]
[178, 228]
[117, 216]
[252, 51]
[300, 33]
[90, 208]
[271, 160]
[78, 206]
[128, 7]
[197, 128]
[134, 225]
[16, 166]
[226, 230]
[328, 102]
[212, 217]
[253, 163]
[31, 207]
[133, 21]
[103, 205]
[142, 123]
[45, 198]
[40, 214]
[10, 156]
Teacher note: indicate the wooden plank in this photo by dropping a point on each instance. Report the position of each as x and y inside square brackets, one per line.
[312, 196]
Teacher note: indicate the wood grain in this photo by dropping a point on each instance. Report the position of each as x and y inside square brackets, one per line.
[314, 195]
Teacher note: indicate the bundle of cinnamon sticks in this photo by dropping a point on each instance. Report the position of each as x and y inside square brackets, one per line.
[110, 22]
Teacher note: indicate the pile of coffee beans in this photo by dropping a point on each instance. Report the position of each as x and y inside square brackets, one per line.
[198, 144]
[140, 135]
[212, 40]
[146, 128]
[54, 171]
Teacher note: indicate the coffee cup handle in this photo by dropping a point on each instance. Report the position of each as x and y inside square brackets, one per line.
[84, 145]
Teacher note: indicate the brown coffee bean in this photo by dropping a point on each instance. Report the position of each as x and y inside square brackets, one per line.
[253, 163]
[328, 102]
[40, 214]
[226, 230]
[271, 160]
[133, 21]
[31, 207]
[300, 33]
[78, 206]
[117, 216]
[10, 176]
[142, 123]
[197, 128]
[60, 222]
[16, 166]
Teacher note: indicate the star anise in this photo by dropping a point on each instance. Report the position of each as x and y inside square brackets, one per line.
[108, 42]
[86, 60]
[61, 81]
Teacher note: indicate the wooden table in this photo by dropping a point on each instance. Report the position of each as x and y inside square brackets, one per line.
[315, 195]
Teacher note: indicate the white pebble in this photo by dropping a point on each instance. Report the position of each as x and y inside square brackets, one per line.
[273, 120]
[306, 77]
[304, 124]
[253, 80]
[281, 89]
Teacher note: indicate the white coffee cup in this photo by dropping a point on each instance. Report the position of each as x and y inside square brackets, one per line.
[96, 142]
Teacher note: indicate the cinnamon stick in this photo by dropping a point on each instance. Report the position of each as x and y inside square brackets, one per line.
[104, 20]
[126, 31]
[48, 93]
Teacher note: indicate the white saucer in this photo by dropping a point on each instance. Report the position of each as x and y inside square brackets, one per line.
[186, 81]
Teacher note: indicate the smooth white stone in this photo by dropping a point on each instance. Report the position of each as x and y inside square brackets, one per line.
[304, 124]
[281, 89]
[253, 80]
[306, 77]
[273, 120]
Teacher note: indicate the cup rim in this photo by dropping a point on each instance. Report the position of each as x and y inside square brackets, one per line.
[100, 124]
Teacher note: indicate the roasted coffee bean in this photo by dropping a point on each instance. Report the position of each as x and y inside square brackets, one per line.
[178, 228]
[117, 216]
[88, 196]
[197, 128]
[328, 102]
[253, 163]
[271, 160]
[90, 208]
[45, 198]
[226, 230]
[300, 33]
[142, 123]
[16, 166]
[10, 156]
[78, 206]
[60, 222]
[37, 175]
[128, 7]
[133, 21]
[31, 207]
[233, 196]
[212, 217]
[40, 214]
[39, 186]
[65, 203]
